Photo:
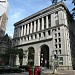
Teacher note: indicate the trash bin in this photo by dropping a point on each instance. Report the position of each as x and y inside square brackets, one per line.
[30, 71]
[37, 70]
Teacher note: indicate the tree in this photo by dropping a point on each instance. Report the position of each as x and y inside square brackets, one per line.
[11, 55]
[20, 52]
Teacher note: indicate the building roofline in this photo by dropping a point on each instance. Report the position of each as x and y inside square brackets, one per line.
[41, 11]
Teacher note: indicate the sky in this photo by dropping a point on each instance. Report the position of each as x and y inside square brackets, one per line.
[20, 9]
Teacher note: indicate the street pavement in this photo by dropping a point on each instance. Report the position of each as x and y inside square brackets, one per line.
[23, 73]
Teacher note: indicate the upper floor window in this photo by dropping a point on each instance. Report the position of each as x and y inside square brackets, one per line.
[44, 34]
[58, 34]
[45, 22]
[49, 32]
[49, 20]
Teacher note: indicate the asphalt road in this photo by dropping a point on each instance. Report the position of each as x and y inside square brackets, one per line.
[23, 73]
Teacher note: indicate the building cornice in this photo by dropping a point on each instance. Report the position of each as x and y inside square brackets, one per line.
[50, 8]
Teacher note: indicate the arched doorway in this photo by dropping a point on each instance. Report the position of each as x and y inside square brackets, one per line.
[44, 56]
[31, 52]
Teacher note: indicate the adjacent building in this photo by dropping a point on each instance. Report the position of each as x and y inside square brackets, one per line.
[3, 16]
[46, 37]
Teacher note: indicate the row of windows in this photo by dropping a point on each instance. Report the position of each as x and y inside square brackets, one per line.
[57, 34]
[58, 46]
[57, 51]
[58, 40]
[34, 36]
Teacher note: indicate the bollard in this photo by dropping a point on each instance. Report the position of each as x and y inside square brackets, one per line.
[33, 70]
[30, 71]
[55, 71]
[37, 70]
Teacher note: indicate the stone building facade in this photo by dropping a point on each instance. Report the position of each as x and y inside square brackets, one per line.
[47, 32]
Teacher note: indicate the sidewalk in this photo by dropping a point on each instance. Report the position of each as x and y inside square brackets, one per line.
[60, 72]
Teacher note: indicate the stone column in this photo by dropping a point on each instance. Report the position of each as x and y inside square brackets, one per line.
[27, 28]
[38, 25]
[22, 31]
[46, 21]
[31, 28]
[37, 57]
[52, 20]
[42, 23]
[17, 60]
[24, 58]
[19, 32]
[34, 26]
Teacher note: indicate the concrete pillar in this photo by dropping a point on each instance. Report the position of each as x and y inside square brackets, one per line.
[38, 25]
[34, 26]
[19, 32]
[27, 28]
[52, 20]
[24, 58]
[42, 23]
[46, 21]
[22, 31]
[60, 15]
[37, 57]
[17, 60]
[31, 28]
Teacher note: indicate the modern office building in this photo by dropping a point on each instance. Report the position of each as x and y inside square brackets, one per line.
[3, 16]
[47, 37]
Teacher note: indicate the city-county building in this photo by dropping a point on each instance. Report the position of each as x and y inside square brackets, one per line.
[47, 37]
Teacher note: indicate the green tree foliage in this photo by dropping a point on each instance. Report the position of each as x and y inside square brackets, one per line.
[11, 54]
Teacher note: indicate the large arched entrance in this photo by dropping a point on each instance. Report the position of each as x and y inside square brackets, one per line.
[31, 52]
[44, 56]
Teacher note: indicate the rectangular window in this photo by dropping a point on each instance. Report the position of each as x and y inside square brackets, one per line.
[31, 37]
[49, 20]
[59, 51]
[55, 34]
[44, 34]
[49, 32]
[61, 58]
[35, 36]
[45, 22]
[40, 23]
[55, 40]
[56, 52]
[58, 28]
[55, 45]
[58, 34]
[59, 39]
[33, 26]
[39, 34]
[59, 45]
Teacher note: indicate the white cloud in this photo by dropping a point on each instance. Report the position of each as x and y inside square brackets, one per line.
[15, 15]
